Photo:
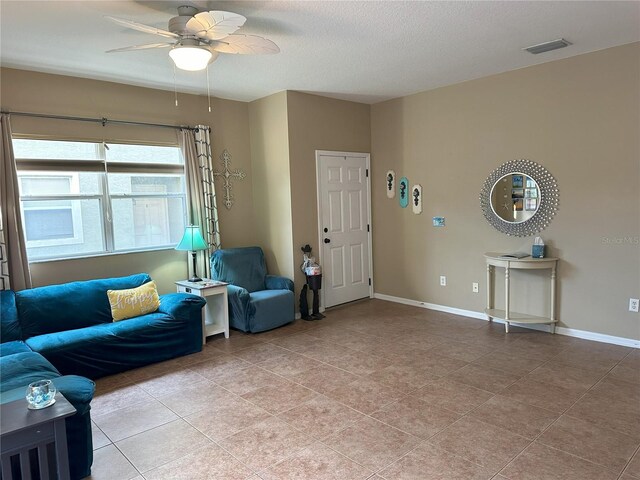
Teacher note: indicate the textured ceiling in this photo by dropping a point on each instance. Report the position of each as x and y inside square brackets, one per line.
[361, 51]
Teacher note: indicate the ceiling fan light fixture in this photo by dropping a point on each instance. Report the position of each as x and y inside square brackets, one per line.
[191, 58]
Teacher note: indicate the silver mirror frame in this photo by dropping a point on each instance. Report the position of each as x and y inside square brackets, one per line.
[548, 200]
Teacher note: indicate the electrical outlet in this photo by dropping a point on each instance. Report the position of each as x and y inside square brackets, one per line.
[474, 287]
[443, 281]
[633, 304]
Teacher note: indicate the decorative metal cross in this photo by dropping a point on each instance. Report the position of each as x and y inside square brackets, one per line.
[227, 175]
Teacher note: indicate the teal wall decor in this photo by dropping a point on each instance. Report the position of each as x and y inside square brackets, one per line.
[403, 192]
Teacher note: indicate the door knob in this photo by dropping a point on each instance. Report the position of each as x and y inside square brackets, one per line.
[327, 240]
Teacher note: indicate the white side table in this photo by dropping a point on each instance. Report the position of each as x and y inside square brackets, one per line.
[493, 260]
[216, 312]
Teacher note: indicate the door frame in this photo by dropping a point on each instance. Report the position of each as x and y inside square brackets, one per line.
[367, 156]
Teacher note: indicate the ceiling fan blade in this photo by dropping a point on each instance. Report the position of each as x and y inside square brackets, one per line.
[214, 25]
[143, 28]
[245, 45]
[141, 47]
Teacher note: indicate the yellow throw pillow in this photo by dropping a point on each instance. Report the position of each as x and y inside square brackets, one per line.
[133, 302]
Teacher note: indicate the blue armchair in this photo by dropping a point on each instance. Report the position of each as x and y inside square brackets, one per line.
[257, 301]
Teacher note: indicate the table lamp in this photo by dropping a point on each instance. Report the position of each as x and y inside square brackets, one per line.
[192, 241]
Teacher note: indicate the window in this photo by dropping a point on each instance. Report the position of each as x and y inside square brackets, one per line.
[83, 198]
[48, 220]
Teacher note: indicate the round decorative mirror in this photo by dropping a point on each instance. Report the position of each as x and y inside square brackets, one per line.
[514, 197]
[519, 198]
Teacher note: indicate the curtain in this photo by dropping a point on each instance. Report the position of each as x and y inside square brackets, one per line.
[201, 193]
[14, 266]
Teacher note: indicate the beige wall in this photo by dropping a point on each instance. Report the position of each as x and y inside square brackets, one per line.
[164, 267]
[579, 118]
[55, 94]
[318, 123]
[271, 188]
[286, 130]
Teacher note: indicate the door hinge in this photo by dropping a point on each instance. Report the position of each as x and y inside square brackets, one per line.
[369, 282]
[367, 172]
[368, 227]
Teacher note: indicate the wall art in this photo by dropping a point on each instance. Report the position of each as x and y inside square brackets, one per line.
[226, 176]
[416, 199]
[403, 192]
[391, 184]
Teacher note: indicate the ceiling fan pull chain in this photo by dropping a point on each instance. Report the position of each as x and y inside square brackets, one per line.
[208, 90]
[175, 88]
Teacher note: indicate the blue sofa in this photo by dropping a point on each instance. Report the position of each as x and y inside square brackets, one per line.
[19, 366]
[257, 301]
[65, 332]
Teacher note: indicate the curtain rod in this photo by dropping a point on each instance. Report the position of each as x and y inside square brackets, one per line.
[104, 121]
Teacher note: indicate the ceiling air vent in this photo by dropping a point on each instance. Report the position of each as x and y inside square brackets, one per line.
[547, 46]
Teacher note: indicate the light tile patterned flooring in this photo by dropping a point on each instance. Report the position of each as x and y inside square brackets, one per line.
[376, 390]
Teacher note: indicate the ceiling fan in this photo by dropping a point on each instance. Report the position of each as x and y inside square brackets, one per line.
[196, 39]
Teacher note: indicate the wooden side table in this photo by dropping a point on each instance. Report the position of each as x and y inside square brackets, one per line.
[215, 318]
[23, 430]
[528, 263]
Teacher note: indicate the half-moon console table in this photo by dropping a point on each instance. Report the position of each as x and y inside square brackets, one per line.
[528, 263]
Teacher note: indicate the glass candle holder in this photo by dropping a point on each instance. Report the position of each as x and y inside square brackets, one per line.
[41, 394]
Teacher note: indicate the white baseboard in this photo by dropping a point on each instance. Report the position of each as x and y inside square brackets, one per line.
[431, 306]
[570, 332]
[598, 337]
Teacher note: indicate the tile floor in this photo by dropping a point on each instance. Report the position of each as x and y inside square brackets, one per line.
[376, 390]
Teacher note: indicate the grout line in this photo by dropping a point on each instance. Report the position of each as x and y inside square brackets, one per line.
[496, 393]
[637, 452]
[188, 423]
[405, 394]
[565, 413]
[127, 458]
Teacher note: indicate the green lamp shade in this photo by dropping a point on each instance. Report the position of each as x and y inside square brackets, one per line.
[192, 240]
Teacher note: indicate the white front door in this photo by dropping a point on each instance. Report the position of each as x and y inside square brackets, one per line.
[343, 193]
